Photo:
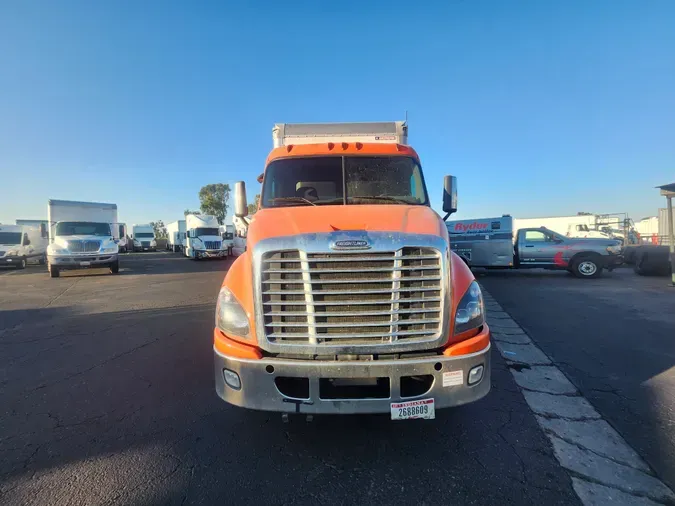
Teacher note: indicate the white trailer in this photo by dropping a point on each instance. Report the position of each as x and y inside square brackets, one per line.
[581, 226]
[176, 231]
[143, 236]
[203, 237]
[20, 243]
[227, 233]
[81, 236]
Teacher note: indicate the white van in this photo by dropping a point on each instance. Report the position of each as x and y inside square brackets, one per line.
[20, 243]
[203, 237]
[143, 237]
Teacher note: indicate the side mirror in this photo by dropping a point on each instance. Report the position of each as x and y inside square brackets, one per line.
[240, 205]
[449, 195]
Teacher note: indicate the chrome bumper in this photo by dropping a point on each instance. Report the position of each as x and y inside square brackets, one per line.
[259, 391]
[75, 261]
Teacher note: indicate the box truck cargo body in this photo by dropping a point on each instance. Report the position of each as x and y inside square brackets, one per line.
[176, 235]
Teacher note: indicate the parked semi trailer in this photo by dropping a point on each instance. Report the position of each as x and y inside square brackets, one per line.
[494, 243]
[347, 298]
[176, 236]
[81, 236]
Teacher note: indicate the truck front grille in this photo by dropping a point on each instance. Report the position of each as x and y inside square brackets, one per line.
[212, 244]
[84, 246]
[352, 298]
[145, 244]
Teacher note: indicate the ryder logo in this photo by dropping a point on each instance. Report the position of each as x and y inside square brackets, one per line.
[475, 226]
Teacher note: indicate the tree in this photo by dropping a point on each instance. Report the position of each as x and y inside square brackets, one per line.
[187, 211]
[252, 208]
[160, 229]
[214, 199]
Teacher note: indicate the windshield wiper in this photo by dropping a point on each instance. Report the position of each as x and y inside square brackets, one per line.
[379, 197]
[292, 199]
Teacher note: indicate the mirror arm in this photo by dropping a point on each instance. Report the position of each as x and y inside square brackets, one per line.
[447, 215]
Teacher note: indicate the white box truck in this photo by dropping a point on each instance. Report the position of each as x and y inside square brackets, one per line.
[143, 236]
[176, 233]
[121, 236]
[203, 237]
[20, 243]
[81, 236]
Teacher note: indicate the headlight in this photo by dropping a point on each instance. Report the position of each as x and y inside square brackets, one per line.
[470, 311]
[153, 243]
[56, 250]
[615, 249]
[136, 243]
[111, 249]
[230, 316]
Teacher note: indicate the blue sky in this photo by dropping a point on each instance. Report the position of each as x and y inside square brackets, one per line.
[539, 107]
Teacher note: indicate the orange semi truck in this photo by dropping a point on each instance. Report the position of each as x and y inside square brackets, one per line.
[348, 298]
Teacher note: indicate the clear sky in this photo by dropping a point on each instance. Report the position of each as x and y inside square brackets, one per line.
[539, 107]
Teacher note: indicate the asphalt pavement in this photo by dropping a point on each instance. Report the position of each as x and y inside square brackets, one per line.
[614, 338]
[107, 397]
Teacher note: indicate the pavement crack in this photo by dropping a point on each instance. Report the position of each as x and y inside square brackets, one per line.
[625, 490]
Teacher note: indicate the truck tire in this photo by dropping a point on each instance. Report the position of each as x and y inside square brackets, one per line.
[42, 260]
[22, 263]
[53, 271]
[587, 267]
[115, 267]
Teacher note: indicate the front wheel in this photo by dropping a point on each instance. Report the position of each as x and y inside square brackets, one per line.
[587, 267]
[22, 263]
[115, 267]
[53, 271]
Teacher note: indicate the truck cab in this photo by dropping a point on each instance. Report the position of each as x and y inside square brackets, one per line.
[203, 238]
[143, 236]
[19, 243]
[347, 298]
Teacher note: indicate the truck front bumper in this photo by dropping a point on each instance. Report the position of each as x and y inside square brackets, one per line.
[83, 261]
[215, 253]
[13, 260]
[261, 382]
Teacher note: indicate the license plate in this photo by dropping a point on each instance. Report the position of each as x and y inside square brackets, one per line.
[85, 264]
[423, 408]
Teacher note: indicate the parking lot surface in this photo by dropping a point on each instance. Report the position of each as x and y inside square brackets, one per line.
[107, 397]
[614, 338]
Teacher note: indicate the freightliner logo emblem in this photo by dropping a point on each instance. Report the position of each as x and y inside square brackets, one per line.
[351, 244]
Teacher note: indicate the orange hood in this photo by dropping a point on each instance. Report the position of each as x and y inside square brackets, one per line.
[285, 221]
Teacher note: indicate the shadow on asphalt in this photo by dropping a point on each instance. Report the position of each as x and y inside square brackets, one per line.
[614, 337]
[125, 401]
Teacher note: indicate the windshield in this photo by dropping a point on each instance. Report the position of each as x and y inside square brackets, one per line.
[206, 231]
[144, 235]
[82, 228]
[344, 180]
[10, 237]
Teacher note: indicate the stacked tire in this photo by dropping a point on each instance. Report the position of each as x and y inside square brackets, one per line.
[652, 261]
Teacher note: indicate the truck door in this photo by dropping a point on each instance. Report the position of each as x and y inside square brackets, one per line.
[536, 247]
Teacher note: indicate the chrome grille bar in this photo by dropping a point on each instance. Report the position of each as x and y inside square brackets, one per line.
[375, 300]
